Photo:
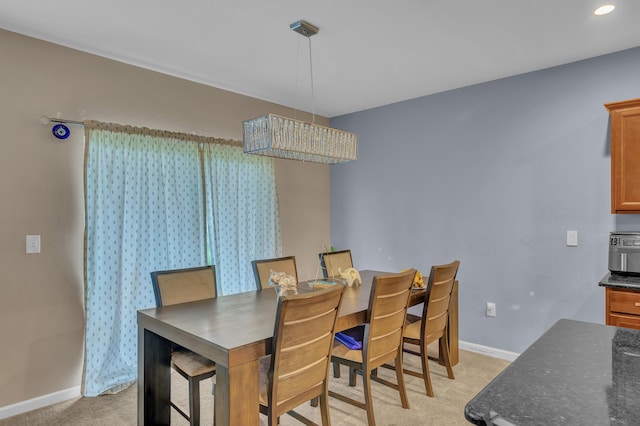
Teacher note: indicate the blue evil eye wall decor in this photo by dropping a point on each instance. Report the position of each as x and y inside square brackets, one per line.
[60, 131]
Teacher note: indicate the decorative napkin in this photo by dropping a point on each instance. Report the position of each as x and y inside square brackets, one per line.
[351, 338]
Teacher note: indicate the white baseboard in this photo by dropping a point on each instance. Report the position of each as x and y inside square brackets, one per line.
[486, 350]
[39, 402]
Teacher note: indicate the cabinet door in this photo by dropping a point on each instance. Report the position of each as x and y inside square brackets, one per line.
[625, 156]
[627, 321]
[624, 302]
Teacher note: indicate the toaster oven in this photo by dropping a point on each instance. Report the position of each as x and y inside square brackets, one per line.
[624, 252]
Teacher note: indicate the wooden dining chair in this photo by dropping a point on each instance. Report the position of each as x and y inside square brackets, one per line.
[332, 262]
[382, 339]
[262, 269]
[433, 324]
[297, 369]
[181, 286]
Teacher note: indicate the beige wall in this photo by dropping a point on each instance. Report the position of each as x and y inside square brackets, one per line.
[41, 192]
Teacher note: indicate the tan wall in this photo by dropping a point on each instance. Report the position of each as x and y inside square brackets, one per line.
[41, 192]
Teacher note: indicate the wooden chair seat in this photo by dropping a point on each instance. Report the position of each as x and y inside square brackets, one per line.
[412, 327]
[191, 363]
[341, 351]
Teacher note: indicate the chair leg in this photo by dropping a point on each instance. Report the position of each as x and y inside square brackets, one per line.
[324, 407]
[368, 400]
[272, 420]
[352, 376]
[444, 350]
[424, 357]
[400, 380]
[194, 402]
[213, 392]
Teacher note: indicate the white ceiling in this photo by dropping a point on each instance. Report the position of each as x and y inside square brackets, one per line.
[368, 53]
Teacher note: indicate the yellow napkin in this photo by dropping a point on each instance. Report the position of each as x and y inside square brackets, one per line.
[418, 281]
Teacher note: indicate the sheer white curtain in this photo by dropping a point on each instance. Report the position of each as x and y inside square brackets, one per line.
[145, 211]
[242, 214]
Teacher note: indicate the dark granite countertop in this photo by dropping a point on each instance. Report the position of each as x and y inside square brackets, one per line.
[577, 373]
[631, 282]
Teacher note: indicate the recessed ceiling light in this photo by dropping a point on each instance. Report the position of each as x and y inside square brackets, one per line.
[604, 9]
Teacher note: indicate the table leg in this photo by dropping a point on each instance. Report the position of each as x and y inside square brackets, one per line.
[154, 379]
[236, 399]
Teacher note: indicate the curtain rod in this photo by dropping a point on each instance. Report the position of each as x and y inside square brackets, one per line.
[46, 120]
[185, 136]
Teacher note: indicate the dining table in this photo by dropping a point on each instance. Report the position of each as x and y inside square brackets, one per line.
[234, 331]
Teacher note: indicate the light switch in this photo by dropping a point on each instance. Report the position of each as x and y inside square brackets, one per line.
[33, 243]
[572, 238]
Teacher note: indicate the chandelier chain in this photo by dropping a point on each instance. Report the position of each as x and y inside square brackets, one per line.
[313, 98]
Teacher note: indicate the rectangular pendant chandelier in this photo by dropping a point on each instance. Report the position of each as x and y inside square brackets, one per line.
[276, 136]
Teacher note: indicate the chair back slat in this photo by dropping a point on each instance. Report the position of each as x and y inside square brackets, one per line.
[184, 285]
[300, 332]
[294, 376]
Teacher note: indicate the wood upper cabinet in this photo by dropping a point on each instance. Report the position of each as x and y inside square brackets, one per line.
[625, 156]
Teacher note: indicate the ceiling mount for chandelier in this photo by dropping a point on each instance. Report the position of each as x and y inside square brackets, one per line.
[276, 136]
[304, 28]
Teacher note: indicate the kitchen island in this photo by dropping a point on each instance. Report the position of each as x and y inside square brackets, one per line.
[577, 373]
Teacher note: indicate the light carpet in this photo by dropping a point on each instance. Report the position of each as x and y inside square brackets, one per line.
[472, 373]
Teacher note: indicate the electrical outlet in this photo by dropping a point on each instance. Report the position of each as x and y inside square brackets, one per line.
[491, 309]
[572, 238]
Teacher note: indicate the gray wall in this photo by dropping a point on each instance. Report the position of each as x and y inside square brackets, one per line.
[493, 175]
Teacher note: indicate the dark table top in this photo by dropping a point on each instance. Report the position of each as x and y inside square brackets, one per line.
[210, 327]
[577, 373]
